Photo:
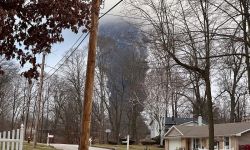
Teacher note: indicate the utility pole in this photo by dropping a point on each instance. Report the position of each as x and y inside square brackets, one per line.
[38, 104]
[88, 92]
[27, 108]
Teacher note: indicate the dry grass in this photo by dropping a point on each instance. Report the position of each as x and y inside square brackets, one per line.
[38, 147]
[131, 147]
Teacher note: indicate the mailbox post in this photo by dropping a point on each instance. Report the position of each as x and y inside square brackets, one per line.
[49, 136]
[107, 132]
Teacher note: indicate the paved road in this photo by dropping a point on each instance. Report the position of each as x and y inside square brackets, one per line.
[72, 147]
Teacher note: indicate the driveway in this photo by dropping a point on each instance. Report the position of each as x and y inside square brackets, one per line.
[72, 147]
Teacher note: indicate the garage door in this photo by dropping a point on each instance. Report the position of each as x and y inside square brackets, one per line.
[174, 144]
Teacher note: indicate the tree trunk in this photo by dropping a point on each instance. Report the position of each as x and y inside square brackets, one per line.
[232, 111]
[210, 113]
[245, 18]
[39, 101]
[27, 110]
[41, 125]
[102, 91]
[13, 109]
[133, 124]
[206, 74]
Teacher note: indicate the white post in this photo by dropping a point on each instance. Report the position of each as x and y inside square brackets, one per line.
[8, 143]
[48, 140]
[21, 137]
[17, 137]
[90, 141]
[13, 137]
[128, 142]
[4, 137]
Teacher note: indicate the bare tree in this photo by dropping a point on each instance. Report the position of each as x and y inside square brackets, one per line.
[124, 64]
[8, 109]
[233, 70]
[184, 41]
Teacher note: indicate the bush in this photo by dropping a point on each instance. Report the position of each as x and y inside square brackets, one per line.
[148, 142]
[112, 142]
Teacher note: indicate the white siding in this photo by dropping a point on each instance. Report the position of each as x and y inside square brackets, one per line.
[154, 129]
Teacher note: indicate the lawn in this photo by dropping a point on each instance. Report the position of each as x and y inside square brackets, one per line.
[38, 147]
[131, 147]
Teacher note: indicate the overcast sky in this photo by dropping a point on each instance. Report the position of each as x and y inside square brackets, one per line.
[59, 50]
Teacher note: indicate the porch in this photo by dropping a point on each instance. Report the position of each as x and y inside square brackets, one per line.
[221, 143]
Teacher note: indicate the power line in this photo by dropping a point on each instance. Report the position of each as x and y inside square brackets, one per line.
[124, 16]
[110, 9]
[67, 57]
[69, 50]
[80, 42]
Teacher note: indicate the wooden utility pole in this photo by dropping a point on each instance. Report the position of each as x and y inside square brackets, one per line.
[27, 109]
[88, 93]
[38, 104]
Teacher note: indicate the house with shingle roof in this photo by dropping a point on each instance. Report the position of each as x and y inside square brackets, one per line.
[171, 121]
[227, 136]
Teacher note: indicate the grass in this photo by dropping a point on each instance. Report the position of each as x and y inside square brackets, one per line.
[29, 146]
[38, 147]
[131, 147]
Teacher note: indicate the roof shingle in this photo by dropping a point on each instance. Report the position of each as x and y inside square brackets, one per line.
[227, 129]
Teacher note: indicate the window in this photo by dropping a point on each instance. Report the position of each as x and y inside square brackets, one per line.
[196, 144]
[226, 142]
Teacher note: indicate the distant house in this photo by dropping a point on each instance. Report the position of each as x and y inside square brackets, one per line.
[246, 118]
[154, 129]
[171, 121]
[228, 136]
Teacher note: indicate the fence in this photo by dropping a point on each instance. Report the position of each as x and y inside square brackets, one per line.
[12, 140]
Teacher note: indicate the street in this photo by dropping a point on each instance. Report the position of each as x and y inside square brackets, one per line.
[72, 147]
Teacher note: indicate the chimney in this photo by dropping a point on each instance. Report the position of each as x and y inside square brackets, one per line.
[172, 118]
[199, 120]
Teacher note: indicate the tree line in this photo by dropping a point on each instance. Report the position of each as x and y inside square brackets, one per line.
[177, 58]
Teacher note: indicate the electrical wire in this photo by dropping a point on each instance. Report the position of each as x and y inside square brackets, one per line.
[79, 43]
[68, 51]
[67, 57]
[110, 9]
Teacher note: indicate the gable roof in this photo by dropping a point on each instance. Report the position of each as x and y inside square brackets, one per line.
[173, 128]
[227, 129]
[190, 122]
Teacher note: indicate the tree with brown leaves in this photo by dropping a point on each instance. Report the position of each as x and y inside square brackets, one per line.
[28, 28]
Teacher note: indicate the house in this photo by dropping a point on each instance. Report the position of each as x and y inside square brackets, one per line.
[154, 129]
[227, 136]
[246, 118]
[170, 121]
